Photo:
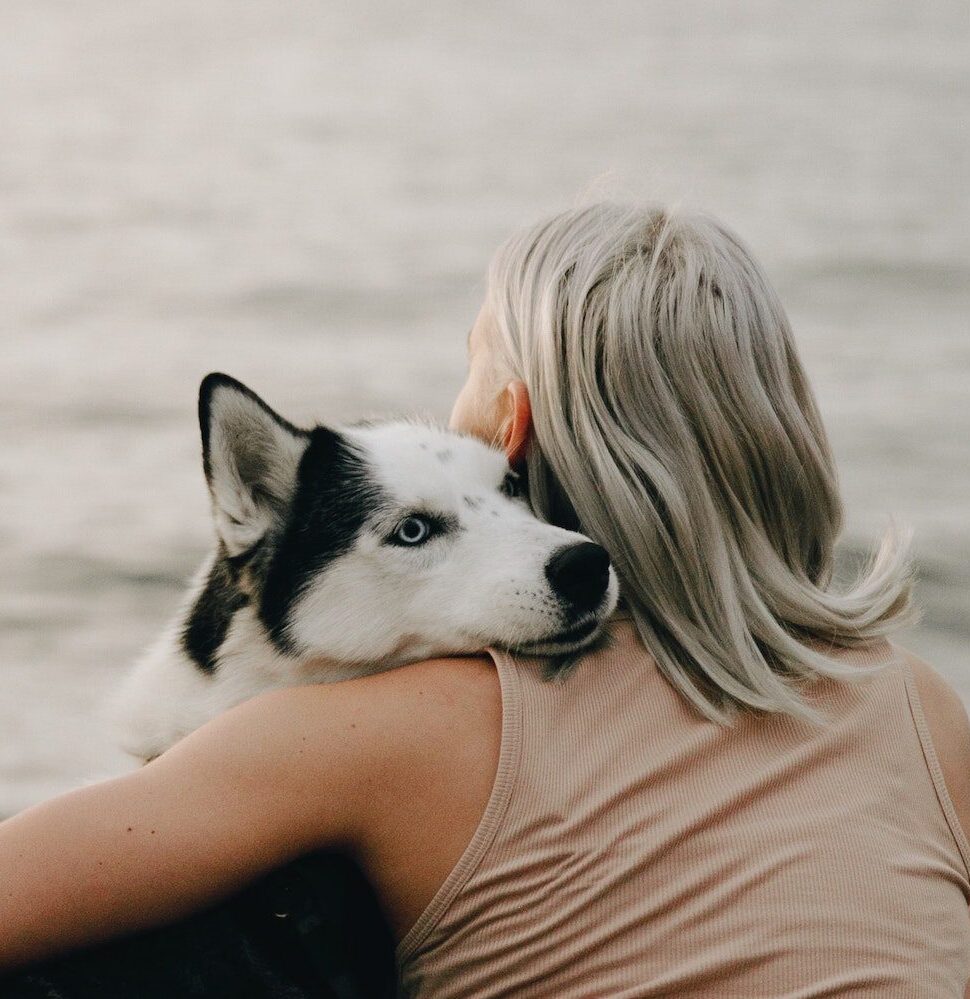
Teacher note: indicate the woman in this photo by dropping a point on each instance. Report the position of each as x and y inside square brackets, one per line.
[746, 791]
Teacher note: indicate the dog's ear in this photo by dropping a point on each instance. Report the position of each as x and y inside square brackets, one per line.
[251, 456]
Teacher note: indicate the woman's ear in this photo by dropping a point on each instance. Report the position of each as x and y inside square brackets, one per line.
[518, 430]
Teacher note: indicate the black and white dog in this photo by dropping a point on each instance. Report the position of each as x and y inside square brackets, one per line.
[342, 552]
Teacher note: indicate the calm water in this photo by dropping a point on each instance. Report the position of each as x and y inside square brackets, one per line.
[307, 198]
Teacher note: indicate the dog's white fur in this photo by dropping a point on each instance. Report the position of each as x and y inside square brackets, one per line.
[376, 606]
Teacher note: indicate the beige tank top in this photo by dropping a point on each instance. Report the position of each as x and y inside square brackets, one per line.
[630, 848]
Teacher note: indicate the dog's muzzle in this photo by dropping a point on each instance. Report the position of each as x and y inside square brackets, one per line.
[579, 576]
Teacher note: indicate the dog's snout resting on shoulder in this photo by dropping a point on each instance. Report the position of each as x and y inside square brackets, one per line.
[341, 552]
[580, 575]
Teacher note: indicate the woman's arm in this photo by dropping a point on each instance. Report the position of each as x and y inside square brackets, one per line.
[288, 772]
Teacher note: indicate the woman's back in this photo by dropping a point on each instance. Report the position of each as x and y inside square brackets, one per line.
[630, 847]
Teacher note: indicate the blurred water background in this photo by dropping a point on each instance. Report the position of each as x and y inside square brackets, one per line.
[306, 195]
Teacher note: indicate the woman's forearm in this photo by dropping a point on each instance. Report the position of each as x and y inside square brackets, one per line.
[107, 860]
[280, 775]
[143, 849]
[75, 869]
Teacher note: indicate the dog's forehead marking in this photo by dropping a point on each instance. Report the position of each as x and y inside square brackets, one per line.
[418, 463]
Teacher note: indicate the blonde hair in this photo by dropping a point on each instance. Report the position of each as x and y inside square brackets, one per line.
[674, 425]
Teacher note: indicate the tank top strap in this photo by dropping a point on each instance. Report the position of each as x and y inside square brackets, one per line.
[934, 768]
[510, 754]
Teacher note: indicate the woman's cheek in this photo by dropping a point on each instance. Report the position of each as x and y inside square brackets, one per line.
[459, 415]
[469, 414]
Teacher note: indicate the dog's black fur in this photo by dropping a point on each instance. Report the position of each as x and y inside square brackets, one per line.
[312, 930]
[210, 617]
[320, 522]
[334, 492]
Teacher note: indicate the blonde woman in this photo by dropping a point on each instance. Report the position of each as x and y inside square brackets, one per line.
[747, 791]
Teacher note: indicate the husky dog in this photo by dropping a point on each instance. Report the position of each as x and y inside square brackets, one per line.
[342, 552]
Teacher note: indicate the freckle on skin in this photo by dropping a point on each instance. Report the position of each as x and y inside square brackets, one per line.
[129, 828]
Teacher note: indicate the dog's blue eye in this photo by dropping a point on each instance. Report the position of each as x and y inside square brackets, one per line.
[412, 531]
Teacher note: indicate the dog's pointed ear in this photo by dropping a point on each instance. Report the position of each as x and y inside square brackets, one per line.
[251, 457]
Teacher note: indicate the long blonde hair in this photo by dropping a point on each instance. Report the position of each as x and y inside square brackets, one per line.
[674, 424]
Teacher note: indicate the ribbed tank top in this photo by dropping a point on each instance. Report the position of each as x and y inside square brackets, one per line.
[631, 848]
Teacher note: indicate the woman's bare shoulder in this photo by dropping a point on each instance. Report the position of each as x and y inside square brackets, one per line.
[442, 677]
[441, 694]
[429, 737]
[946, 718]
[459, 682]
[409, 706]
[439, 716]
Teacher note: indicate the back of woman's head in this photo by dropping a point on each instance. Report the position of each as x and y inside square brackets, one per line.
[674, 424]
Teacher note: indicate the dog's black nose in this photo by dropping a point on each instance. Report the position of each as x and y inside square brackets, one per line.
[580, 575]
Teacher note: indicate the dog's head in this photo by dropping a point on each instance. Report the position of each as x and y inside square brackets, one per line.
[390, 542]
